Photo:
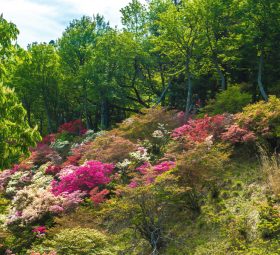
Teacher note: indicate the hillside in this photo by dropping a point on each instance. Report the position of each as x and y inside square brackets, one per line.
[155, 184]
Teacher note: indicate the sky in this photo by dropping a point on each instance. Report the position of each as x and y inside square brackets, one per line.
[45, 20]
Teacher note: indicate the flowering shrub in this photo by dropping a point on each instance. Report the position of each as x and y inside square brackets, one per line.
[164, 166]
[236, 134]
[5, 176]
[52, 170]
[32, 203]
[149, 173]
[198, 130]
[44, 154]
[263, 117]
[39, 231]
[62, 147]
[48, 139]
[74, 127]
[98, 197]
[17, 181]
[84, 178]
[140, 156]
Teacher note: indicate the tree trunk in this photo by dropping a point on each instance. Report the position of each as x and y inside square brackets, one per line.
[222, 76]
[48, 115]
[162, 97]
[189, 91]
[104, 114]
[85, 104]
[260, 84]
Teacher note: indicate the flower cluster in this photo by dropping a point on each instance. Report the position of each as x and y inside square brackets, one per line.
[39, 231]
[74, 127]
[141, 155]
[84, 178]
[197, 130]
[149, 173]
[236, 134]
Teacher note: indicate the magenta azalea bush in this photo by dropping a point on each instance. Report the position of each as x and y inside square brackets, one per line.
[84, 178]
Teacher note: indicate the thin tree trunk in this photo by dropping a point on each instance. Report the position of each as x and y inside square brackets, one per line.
[222, 76]
[104, 114]
[86, 106]
[162, 97]
[189, 91]
[48, 115]
[260, 84]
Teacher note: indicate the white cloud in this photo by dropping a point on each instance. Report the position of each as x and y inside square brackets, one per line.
[45, 20]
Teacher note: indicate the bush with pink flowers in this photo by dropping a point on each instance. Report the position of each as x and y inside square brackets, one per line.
[84, 178]
[197, 130]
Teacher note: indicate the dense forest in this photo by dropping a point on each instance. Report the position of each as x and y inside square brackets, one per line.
[159, 137]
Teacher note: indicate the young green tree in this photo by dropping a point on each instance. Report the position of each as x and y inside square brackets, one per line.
[179, 31]
[16, 136]
[8, 34]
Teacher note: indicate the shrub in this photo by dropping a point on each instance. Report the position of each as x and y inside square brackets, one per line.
[148, 211]
[62, 147]
[84, 178]
[52, 170]
[202, 164]
[108, 148]
[44, 154]
[149, 173]
[97, 196]
[270, 221]
[197, 130]
[77, 241]
[74, 127]
[32, 204]
[231, 100]
[142, 126]
[236, 134]
[263, 118]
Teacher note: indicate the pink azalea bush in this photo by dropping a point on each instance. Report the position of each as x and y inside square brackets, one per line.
[197, 130]
[236, 134]
[84, 178]
[149, 172]
[164, 167]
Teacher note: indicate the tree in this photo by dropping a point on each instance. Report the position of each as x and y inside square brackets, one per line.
[16, 136]
[262, 17]
[8, 34]
[37, 81]
[179, 30]
[219, 22]
[75, 49]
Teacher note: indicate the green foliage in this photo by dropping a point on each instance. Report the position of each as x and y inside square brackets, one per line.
[77, 241]
[262, 117]
[15, 136]
[8, 35]
[269, 221]
[231, 101]
[143, 126]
